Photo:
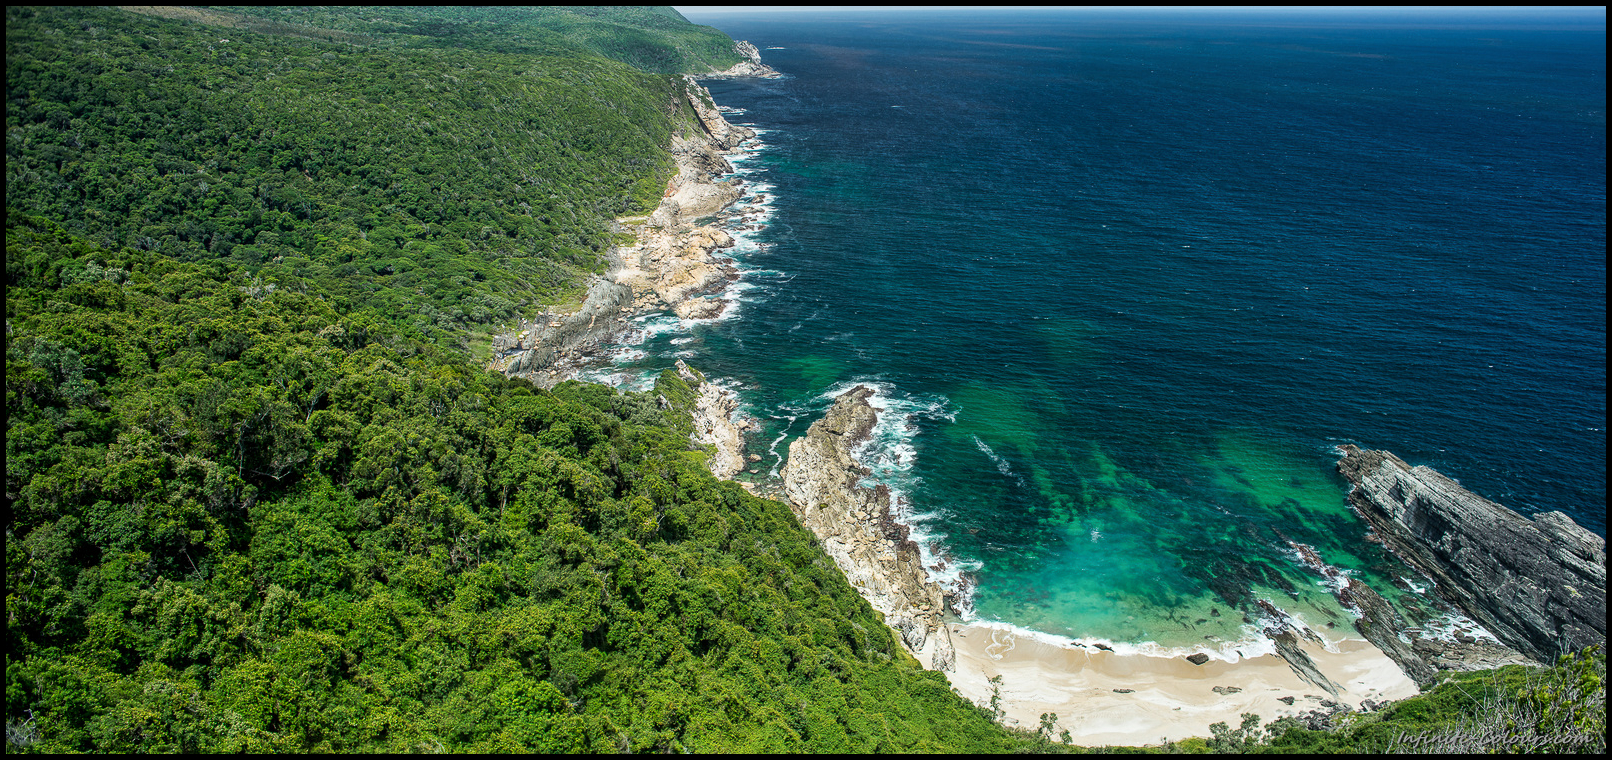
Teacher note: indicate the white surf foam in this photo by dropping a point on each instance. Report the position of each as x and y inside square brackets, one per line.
[1003, 467]
[890, 454]
[1450, 627]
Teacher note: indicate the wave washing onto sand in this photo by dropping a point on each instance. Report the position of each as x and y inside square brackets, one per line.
[1252, 644]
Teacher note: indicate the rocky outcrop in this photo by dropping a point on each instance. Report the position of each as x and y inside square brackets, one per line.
[1467, 655]
[1276, 625]
[714, 424]
[857, 527]
[552, 347]
[1378, 621]
[1539, 585]
[752, 68]
[723, 136]
[672, 264]
[676, 268]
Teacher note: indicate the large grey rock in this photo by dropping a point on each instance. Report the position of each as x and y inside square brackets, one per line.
[1539, 585]
[858, 529]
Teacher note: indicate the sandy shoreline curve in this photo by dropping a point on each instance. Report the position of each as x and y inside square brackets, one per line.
[1169, 698]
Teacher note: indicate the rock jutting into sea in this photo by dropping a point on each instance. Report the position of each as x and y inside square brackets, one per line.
[1377, 621]
[857, 527]
[672, 263]
[714, 424]
[1538, 585]
[750, 69]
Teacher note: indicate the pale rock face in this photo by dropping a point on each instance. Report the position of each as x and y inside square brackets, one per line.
[724, 136]
[857, 528]
[672, 264]
[713, 414]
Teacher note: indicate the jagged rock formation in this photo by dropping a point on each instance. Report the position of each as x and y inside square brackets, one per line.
[745, 69]
[1378, 622]
[714, 425]
[1274, 624]
[723, 136]
[857, 527]
[549, 349]
[1539, 585]
[1467, 655]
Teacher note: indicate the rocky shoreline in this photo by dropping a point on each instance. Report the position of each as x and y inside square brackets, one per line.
[1539, 585]
[673, 264]
[717, 422]
[857, 526]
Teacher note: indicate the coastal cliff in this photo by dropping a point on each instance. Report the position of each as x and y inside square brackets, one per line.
[748, 69]
[1539, 585]
[857, 527]
[672, 263]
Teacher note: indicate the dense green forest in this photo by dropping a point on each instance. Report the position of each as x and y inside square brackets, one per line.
[242, 520]
[260, 499]
[257, 498]
[445, 181]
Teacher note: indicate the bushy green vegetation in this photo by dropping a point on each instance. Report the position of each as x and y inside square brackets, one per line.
[257, 497]
[245, 520]
[448, 185]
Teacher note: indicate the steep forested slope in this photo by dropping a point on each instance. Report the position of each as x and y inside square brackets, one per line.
[259, 500]
[656, 39]
[449, 185]
[241, 519]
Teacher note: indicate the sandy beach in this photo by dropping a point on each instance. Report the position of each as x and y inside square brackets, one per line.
[1170, 698]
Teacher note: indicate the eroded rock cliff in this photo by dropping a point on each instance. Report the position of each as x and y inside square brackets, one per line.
[857, 527]
[1539, 585]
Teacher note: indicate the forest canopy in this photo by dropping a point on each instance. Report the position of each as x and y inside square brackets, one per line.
[258, 497]
[452, 183]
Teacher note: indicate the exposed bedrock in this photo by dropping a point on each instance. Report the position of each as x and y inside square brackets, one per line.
[1538, 585]
[752, 68]
[1378, 622]
[723, 136]
[857, 527]
[672, 263]
[714, 425]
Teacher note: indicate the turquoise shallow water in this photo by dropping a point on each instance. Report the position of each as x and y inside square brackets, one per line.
[1124, 284]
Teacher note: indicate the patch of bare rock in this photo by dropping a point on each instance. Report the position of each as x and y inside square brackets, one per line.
[856, 526]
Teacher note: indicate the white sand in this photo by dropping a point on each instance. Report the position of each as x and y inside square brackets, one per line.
[1172, 698]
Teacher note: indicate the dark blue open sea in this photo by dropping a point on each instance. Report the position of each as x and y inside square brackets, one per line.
[1124, 282]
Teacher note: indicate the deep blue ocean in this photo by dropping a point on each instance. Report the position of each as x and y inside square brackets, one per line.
[1124, 282]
